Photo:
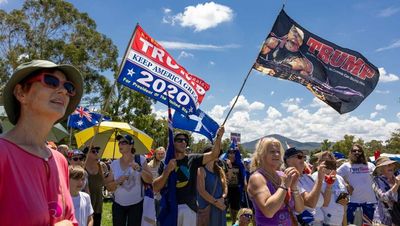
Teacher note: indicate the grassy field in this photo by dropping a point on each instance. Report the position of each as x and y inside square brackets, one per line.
[106, 218]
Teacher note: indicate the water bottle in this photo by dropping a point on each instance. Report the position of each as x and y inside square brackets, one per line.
[358, 214]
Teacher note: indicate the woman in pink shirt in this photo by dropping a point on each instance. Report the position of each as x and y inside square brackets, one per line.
[34, 178]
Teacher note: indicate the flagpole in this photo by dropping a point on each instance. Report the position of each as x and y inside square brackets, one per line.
[237, 97]
[70, 137]
[122, 64]
[244, 82]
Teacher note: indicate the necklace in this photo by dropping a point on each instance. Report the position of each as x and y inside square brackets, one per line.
[275, 181]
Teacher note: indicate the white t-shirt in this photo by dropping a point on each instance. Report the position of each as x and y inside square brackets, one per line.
[83, 207]
[306, 184]
[360, 178]
[333, 213]
[131, 191]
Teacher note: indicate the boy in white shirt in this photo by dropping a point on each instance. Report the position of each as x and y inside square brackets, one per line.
[82, 205]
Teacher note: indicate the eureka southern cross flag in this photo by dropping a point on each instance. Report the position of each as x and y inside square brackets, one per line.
[340, 77]
[149, 69]
[199, 122]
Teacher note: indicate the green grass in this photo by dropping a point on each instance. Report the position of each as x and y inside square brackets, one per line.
[106, 218]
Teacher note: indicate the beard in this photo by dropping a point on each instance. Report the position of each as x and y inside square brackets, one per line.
[358, 159]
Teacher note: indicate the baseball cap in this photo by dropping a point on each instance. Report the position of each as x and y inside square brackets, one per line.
[291, 152]
[11, 104]
[127, 137]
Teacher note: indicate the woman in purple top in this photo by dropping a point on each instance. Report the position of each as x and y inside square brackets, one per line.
[274, 193]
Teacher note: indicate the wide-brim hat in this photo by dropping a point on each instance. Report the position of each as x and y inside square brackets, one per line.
[384, 161]
[11, 104]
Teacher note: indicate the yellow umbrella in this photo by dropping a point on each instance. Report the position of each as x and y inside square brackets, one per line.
[105, 138]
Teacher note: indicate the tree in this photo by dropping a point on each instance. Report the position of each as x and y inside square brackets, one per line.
[326, 145]
[55, 30]
[393, 144]
[372, 146]
[345, 145]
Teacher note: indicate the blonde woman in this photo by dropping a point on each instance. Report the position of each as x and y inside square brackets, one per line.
[244, 217]
[274, 193]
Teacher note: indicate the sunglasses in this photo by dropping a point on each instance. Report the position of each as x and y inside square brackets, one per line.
[78, 158]
[94, 151]
[53, 82]
[181, 140]
[247, 215]
[123, 142]
[300, 156]
[356, 151]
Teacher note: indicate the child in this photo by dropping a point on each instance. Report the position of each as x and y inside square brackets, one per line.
[81, 200]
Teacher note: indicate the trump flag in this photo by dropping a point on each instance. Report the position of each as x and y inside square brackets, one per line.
[340, 77]
[149, 69]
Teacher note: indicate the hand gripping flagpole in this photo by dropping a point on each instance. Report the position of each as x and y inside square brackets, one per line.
[122, 64]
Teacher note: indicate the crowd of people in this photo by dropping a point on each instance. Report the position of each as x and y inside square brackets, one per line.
[53, 185]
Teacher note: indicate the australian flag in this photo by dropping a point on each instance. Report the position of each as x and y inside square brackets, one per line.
[199, 122]
[169, 208]
[82, 118]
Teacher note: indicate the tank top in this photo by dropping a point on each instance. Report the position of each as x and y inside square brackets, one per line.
[280, 218]
[209, 183]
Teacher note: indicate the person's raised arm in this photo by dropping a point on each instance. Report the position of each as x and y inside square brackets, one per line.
[311, 198]
[160, 181]
[209, 156]
[146, 173]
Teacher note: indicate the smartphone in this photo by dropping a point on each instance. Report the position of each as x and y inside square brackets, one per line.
[341, 196]
[330, 164]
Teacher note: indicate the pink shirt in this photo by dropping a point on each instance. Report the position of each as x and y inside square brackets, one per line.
[33, 191]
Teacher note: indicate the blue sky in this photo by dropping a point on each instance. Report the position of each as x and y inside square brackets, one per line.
[219, 41]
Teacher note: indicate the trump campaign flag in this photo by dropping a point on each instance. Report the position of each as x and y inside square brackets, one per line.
[340, 77]
[82, 118]
[148, 68]
[199, 122]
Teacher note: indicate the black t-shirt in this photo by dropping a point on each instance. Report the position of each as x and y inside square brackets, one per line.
[233, 182]
[186, 174]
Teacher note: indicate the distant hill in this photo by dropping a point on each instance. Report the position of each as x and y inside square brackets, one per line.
[250, 146]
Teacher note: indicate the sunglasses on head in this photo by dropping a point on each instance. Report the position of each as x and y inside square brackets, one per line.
[78, 158]
[95, 151]
[181, 140]
[247, 215]
[51, 81]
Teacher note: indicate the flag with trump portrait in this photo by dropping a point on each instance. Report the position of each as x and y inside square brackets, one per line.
[149, 69]
[340, 77]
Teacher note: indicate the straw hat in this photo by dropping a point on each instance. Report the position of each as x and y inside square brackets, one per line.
[384, 161]
[11, 104]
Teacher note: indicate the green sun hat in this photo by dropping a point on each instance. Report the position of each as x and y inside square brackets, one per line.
[11, 104]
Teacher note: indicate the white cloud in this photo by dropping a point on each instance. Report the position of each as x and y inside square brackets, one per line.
[184, 54]
[272, 93]
[194, 46]
[212, 63]
[160, 114]
[273, 113]
[380, 107]
[256, 106]
[388, 12]
[373, 115]
[382, 91]
[3, 2]
[167, 10]
[202, 16]
[385, 77]
[394, 45]
[300, 122]
[398, 115]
